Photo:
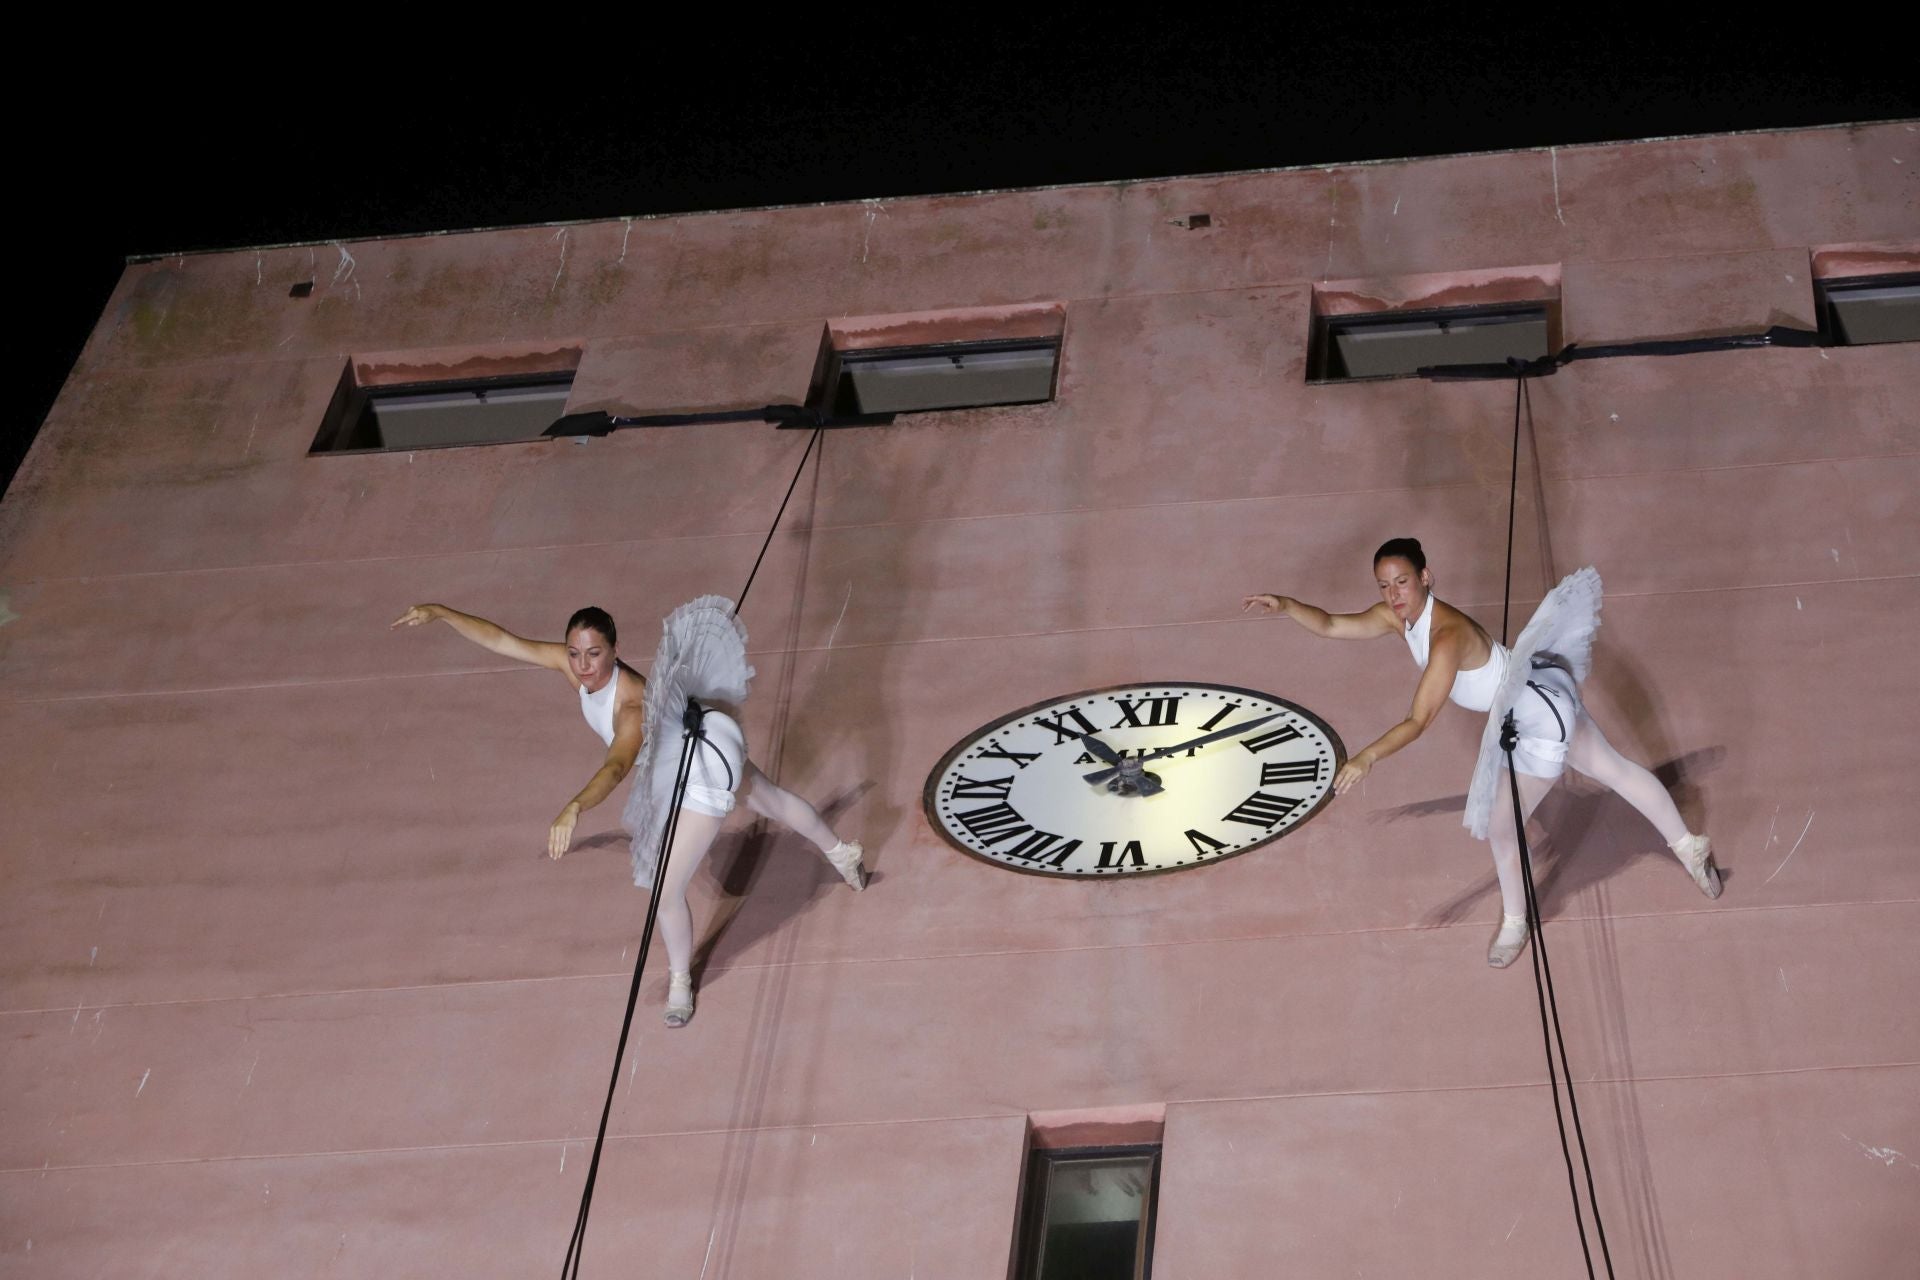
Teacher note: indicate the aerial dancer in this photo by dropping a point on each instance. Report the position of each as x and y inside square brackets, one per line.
[1538, 680]
[702, 656]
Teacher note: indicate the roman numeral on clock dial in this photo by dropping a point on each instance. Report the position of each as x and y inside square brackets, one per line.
[1262, 810]
[1220, 715]
[1204, 844]
[1064, 732]
[1147, 713]
[1286, 733]
[994, 751]
[965, 788]
[996, 823]
[1275, 773]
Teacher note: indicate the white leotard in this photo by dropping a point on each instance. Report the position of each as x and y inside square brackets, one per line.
[598, 707]
[1473, 689]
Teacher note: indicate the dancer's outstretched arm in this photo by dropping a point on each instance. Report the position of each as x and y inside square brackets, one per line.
[1375, 622]
[1443, 663]
[490, 636]
[627, 736]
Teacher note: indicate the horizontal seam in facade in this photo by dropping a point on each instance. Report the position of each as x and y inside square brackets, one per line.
[807, 531]
[671, 1135]
[206, 690]
[609, 975]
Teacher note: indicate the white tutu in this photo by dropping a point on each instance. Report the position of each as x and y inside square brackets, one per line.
[702, 655]
[1562, 627]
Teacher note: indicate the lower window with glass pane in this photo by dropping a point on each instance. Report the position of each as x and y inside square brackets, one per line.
[1087, 1214]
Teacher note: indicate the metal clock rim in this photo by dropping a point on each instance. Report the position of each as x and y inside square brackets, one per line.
[971, 738]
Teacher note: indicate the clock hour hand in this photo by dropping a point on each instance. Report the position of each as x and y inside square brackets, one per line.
[1101, 751]
[1233, 731]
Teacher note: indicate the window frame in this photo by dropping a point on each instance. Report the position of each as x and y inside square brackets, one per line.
[348, 407]
[1321, 346]
[1831, 333]
[837, 396]
[1031, 1228]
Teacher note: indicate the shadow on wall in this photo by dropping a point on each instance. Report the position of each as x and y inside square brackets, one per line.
[1568, 861]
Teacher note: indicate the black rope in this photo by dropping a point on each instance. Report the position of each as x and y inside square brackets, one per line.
[1550, 1033]
[755, 572]
[1513, 492]
[693, 734]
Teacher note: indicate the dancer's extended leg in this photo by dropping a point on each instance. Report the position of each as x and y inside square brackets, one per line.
[691, 840]
[1502, 837]
[768, 799]
[1591, 754]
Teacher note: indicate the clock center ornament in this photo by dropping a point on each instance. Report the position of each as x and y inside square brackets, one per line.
[1134, 779]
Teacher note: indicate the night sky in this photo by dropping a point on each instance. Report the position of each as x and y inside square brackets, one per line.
[327, 137]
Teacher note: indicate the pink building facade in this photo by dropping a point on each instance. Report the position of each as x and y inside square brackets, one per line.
[289, 989]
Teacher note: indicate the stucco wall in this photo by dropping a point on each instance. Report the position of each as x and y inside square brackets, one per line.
[288, 990]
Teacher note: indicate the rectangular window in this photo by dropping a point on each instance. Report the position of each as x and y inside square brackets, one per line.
[949, 375]
[436, 415]
[1088, 1213]
[1397, 344]
[1860, 310]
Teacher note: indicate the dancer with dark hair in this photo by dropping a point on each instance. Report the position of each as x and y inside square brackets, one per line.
[702, 656]
[1537, 680]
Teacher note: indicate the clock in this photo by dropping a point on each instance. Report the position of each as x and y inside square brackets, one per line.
[1133, 780]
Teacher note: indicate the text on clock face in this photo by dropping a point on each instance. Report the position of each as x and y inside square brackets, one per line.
[1018, 793]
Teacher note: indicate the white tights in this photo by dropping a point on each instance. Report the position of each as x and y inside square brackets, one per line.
[1590, 753]
[694, 836]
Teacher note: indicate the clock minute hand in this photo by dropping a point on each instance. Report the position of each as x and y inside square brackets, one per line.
[1232, 731]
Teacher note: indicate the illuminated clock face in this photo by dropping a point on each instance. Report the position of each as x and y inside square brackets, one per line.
[1133, 780]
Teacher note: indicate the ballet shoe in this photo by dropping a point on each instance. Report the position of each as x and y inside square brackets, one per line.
[679, 999]
[1696, 855]
[1503, 953]
[845, 858]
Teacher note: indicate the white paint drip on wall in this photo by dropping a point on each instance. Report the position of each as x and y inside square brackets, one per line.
[1783, 982]
[1515, 1227]
[1796, 848]
[346, 266]
[93, 953]
[1554, 154]
[563, 1157]
[256, 1062]
[562, 237]
[836, 626]
[1885, 1155]
[703, 1262]
[143, 1081]
[1333, 220]
[874, 210]
[625, 236]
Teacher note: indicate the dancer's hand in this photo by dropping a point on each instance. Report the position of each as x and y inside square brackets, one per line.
[560, 834]
[1351, 772]
[1264, 604]
[416, 616]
